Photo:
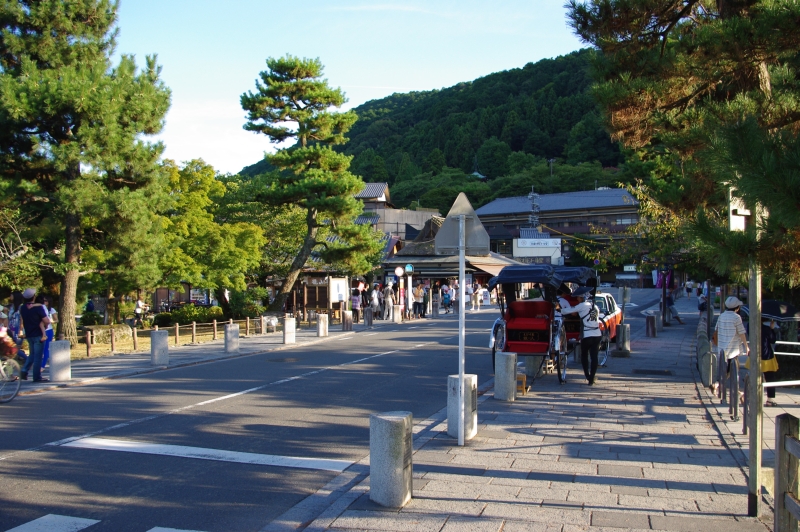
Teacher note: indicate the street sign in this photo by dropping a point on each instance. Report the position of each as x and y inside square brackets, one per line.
[475, 236]
[409, 268]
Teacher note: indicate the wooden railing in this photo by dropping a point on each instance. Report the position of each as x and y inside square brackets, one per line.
[787, 470]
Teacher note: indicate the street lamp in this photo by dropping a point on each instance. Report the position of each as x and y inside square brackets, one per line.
[551, 161]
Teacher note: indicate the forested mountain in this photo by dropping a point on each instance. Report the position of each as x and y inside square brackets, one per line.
[532, 126]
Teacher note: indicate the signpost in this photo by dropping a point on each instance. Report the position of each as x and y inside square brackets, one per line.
[461, 233]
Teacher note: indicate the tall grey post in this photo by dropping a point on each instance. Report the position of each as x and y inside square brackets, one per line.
[397, 314]
[470, 406]
[159, 348]
[368, 317]
[60, 363]
[263, 325]
[232, 338]
[435, 309]
[289, 327]
[347, 320]
[322, 325]
[505, 376]
[390, 463]
[659, 322]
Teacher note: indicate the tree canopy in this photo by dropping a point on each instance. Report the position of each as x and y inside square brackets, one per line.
[292, 101]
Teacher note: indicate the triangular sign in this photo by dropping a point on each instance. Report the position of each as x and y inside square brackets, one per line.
[475, 236]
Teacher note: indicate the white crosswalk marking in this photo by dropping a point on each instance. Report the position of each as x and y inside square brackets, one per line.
[162, 529]
[55, 523]
[183, 451]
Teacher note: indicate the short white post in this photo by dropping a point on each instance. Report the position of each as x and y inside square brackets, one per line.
[368, 317]
[231, 338]
[470, 406]
[60, 363]
[263, 325]
[435, 309]
[505, 376]
[532, 365]
[659, 321]
[322, 325]
[347, 320]
[289, 328]
[390, 463]
[159, 348]
[397, 314]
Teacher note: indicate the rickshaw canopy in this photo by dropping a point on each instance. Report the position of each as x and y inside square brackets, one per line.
[580, 275]
[527, 273]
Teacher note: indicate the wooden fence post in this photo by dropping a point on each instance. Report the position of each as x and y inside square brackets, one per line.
[214, 337]
[177, 334]
[135, 340]
[247, 326]
[194, 332]
[113, 344]
[88, 344]
[786, 471]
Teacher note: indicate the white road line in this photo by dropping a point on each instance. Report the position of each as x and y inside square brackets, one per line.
[182, 451]
[55, 523]
[418, 345]
[189, 407]
[162, 529]
[370, 334]
[343, 338]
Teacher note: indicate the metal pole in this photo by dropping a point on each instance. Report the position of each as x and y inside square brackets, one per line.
[756, 391]
[461, 326]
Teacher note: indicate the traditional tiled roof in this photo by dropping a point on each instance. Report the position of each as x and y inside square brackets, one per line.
[532, 232]
[374, 191]
[368, 219]
[585, 199]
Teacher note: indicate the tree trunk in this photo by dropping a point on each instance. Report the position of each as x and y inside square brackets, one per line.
[223, 303]
[69, 285]
[299, 261]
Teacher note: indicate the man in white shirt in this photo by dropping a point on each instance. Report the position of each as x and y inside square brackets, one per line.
[592, 334]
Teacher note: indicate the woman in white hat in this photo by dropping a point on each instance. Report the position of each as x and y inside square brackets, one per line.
[729, 334]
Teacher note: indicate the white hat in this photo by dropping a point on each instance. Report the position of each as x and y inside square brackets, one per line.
[29, 293]
[732, 302]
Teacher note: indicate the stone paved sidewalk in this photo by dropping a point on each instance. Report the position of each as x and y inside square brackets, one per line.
[637, 451]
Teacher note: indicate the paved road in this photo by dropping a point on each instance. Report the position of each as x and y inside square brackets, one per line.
[309, 402]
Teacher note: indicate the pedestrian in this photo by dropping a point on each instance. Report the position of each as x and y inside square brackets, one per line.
[729, 335]
[34, 324]
[355, 303]
[470, 296]
[689, 286]
[702, 304]
[375, 300]
[588, 312]
[769, 362]
[425, 300]
[419, 297]
[14, 325]
[138, 312]
[53, 315]
[388, 300]
[672, 310]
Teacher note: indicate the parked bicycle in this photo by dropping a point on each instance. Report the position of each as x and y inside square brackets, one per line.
[10, 373]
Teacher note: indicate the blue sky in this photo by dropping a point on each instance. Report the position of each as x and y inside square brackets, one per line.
[212, 51]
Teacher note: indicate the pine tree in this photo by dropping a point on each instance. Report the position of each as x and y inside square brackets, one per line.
[311, 174]
[678, 79]
[71, 149]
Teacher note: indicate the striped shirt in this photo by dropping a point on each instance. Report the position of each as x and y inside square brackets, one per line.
[729, 328]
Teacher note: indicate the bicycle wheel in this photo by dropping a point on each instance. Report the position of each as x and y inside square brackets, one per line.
[561, 367]
[605, 349]
[9, 379]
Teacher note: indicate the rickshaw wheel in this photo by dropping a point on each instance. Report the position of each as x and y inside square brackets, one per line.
[499, 343]
[605, 349]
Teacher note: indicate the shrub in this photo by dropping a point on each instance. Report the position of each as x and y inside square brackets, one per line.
[189, 313]
[163, 319]
[91, 318]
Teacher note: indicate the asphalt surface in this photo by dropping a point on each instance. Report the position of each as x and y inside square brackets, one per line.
[311, 401]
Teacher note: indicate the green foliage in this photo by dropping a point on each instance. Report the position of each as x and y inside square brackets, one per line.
[543, 109]
[249, 303]
[493, 158]
[200, 249]
[292, 101]
[187, 314]
[162, 319]
[91, 318]
[73, 148]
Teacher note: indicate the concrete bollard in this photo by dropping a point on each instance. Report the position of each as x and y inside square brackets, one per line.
[368, 317]
[263, 325]
[289, 328]
[322, 325]
[232, 338]
[397, 314]
[505, 376]
[390, 462]
[470, 406]
[159, 348]
[651, 329]
[659, 321]
[347, 320]
[435, 309]
[532, 365]
[60, 363]
[623, 349]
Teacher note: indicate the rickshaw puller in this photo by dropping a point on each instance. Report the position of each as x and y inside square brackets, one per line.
[592, 334]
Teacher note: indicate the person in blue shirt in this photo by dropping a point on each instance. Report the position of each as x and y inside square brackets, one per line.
[34, 323]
